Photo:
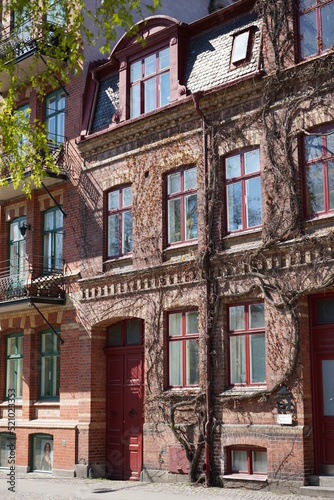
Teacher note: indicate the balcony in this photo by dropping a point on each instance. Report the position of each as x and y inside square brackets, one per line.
[59, 153]
[38, 284]
[22, 43]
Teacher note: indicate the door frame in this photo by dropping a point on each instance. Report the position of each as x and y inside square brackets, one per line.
[316, 391]
[122, 351]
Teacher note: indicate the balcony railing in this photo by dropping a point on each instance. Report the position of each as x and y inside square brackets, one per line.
[57, 151]
[37, 282]
[17, 41]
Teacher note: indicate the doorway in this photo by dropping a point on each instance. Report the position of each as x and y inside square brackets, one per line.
[322, 335]
[125, 400]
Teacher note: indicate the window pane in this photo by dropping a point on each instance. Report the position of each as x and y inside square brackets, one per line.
[11, 375]
[175, 363]
[47, 259]
[191, 322]
[19, 377]
[164, 89]
[20, 345]
[127, 232]
[327, 16]
[58, 264]
[257, 354]
[133, 332]
[60, 128]
[240, 45]
[315, 188]
[175, 324]
[256, 316]
[252, 161]
[259, 459]
[11, 346]
[174, 220]
[325, 311]
[191, 217]
[313, 148]
[46, 343]
[113, 200]
[239, 461]
[330, 144]
[331, 184]
[113, 235]
[190, 181]
[115, 335]
[192, 362]
[234, 212]
[127, 197]
[46, 376]
[49, 221]
[327, 386]
[135, 71]
[164, 58]
[5, 449]
[253, 202]
[174, 183]
[59, 219]
[308, 34]
[150, 94]
[237, 318]
[237, 360]
[42, 453]
[56, 376]
[51, 105]
[135, 101]
[150, 65]
[233, 167]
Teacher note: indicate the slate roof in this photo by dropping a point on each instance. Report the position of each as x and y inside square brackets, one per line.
[107, 103]
[209, 57]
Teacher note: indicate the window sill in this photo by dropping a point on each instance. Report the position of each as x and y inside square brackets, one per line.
[318, 221]
[182, 390]
[118, 263]
[47, 402]
[18, 403]
[246, 477]
[242, 390]
[178, 250]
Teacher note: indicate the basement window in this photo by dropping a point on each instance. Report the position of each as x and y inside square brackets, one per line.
[240, 47]
[247, 463]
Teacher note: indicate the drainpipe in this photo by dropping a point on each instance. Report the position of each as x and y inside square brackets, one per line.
[206, 466]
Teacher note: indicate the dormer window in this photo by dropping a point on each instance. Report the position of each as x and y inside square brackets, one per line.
[150, 83]
[240, 47]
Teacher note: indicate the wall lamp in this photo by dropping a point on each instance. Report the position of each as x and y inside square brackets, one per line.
[23, 229]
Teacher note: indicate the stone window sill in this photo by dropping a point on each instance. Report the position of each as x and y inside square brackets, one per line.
[247, 477]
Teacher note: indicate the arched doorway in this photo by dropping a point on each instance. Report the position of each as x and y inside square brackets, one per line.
[125, 400]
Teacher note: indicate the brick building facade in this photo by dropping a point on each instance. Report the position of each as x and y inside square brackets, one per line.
[204, 291]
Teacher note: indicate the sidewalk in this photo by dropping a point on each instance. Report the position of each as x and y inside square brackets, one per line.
[43, 487]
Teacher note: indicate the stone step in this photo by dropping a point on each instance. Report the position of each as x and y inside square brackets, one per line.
[317, 491]
[327, 481]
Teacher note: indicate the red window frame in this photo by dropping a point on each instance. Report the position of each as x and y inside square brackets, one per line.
[182, 194]
[315, 7]
[119, 211]
[183, 339]
[249, 451]
[123, 326]
[141, 81]
[242, 178]
[246, 332]
[324, 158]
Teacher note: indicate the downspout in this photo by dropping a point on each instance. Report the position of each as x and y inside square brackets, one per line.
[206, 466]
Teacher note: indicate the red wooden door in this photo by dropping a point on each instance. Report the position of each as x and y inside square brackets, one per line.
[325, 376]
[124, 413]
[322, 341]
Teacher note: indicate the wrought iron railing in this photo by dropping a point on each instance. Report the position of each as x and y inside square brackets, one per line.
[35, 281]
[18, 40]
[58, 151]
